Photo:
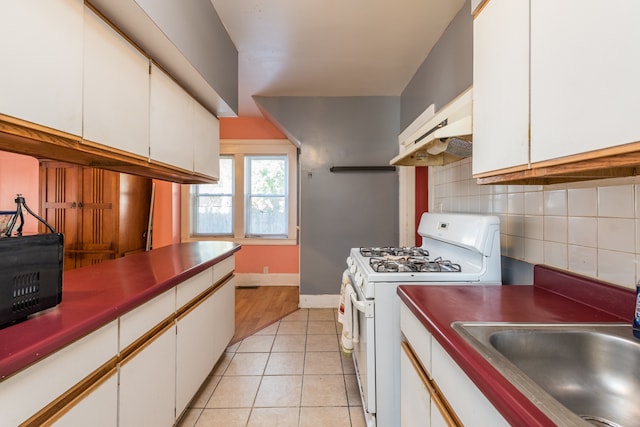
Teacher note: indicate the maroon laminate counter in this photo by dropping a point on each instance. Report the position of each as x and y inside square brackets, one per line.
[556, 296]
[95, 295]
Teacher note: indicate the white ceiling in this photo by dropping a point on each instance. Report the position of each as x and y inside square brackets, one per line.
[330, 47]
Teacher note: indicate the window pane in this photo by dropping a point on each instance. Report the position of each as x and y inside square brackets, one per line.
[225, 182]
[215, 215]
[266, 206]
[268, 216]
[267, 175]
[213, 203]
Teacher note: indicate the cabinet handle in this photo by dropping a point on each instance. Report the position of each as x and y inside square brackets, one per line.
[73, 205]
[80, 205]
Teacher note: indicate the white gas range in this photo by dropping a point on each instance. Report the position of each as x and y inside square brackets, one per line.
[457, 249]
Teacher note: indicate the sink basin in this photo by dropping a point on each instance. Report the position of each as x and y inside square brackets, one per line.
[578, 374]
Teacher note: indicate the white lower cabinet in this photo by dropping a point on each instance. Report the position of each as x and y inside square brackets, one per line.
[415, 405]
[203, 333]
[441, 393]
[195, 350]
[101, 399]
[224, 317]
[146, 394]
[140, 370]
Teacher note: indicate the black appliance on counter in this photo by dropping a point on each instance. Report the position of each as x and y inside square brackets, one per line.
[30, 269]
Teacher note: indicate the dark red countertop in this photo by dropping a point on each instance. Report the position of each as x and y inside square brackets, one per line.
[556, 296]
[95, 295]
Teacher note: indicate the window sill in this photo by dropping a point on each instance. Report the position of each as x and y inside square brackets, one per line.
[244, 241]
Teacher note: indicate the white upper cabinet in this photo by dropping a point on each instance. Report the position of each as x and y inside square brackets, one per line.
[585, 76]
[555, 83]
[41, 72]
[170, 142]
[206, 141]
[182, 132]
[501, 86]
[116, 89]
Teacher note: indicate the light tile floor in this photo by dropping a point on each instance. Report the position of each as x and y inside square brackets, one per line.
[291, 373]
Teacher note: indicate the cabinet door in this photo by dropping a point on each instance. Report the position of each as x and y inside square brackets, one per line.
[82, 203]
[195, 356]
[585, 68]
[98, 203]
[116, 89]
[170, 137]
[59, 190]
[415, 401]
[147, 383]
[224, 320]
[102, 400]
[501, 86]
[206, 141]
[41, 73]
[468, 402]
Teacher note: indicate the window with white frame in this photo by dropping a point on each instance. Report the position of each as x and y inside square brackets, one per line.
[255, 198]
[212, 208]
[266, 187]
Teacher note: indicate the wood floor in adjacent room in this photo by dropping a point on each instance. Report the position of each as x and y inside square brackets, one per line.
[260, 306]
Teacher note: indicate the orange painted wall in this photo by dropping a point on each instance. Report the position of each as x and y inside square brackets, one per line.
[278, 259]
[20, 174]
[253, 258]
[248, 128]
[166, 214]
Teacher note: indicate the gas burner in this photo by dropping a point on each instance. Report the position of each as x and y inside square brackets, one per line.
[393, 251]
[394, 264]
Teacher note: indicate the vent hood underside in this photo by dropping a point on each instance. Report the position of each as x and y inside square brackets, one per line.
[438, 139]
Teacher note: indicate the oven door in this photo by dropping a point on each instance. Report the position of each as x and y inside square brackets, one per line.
[364, 349]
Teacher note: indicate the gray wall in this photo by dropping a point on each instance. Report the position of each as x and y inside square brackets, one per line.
[339, 211]
[195, 28]
[445, 73]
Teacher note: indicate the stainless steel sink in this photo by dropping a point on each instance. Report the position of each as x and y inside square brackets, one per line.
[578, 374]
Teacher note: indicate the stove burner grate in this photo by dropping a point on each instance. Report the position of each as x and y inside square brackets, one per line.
[419, 264]
[393, 251]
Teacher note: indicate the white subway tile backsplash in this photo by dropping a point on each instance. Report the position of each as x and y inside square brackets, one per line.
[533, 203]
[515, 225]
[555, 229]
[555, 254]
[617, 267]
[616, 234]
[582, 231]
[534, 251]
[515, 203]
[515, 247]
[500, 203]
[616, 201]
[583, 260]
[555, 202]
[583, 202]
[533, 227]
[591, 228]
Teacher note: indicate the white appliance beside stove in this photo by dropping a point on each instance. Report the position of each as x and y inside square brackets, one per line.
[457, 249]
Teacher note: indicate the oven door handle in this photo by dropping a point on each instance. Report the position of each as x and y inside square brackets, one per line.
[365, 306]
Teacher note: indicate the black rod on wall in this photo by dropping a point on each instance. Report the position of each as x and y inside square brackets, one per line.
[362, 169]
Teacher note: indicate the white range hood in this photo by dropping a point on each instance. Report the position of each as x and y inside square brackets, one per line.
[435, 139]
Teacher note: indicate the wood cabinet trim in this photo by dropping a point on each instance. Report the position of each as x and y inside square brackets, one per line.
[64, 403]
[22, 137]
[613, 162]
[436, 395]
[195, 302]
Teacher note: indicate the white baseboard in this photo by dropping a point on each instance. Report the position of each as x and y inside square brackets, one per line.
[272, 279]
[319, 301]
